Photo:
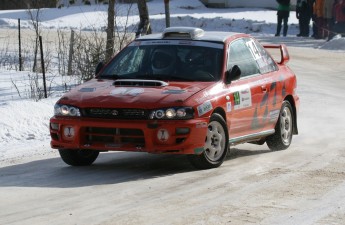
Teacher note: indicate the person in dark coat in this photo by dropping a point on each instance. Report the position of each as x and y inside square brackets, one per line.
[314, 19]
[283, 14]
[339, 16]
[303, 14]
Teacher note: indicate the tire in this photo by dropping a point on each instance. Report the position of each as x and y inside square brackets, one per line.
[282, 137]
[78, 157]
[216, 145]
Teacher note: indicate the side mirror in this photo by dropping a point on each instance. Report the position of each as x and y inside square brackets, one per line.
[233, 74]
[99, 67]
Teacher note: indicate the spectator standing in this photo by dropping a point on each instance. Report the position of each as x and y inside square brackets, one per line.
[318, 11]
[313, 17]
[328, 18]
[339, 13]
[283, 14]
[303, 14]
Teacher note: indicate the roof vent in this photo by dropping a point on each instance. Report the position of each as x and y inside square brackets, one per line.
[139, 83]
[183, 32]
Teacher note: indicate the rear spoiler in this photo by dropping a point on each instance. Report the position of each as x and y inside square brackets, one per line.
[284, 54]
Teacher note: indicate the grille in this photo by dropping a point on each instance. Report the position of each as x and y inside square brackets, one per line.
[139, 114]
[97, 135]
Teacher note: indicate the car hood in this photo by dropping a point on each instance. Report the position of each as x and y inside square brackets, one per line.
[136, 94]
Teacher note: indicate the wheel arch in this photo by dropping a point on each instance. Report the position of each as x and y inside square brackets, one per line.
[290, 99]
[221, 112]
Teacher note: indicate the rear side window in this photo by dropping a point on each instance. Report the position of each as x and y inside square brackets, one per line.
[265, 63]
[241, 56]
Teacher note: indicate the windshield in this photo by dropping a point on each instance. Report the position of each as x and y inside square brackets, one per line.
[173, 60]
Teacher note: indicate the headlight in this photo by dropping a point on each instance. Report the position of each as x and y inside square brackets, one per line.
[170, 113]
[66, 110]
[176, 113]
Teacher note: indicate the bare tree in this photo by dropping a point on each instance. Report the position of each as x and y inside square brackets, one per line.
[123, 34]
[34, 13]
[144, 25]
[110, 31]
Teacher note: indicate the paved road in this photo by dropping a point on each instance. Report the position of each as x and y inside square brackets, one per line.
[302, 185]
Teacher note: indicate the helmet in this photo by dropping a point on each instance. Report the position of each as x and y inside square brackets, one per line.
[163, 60]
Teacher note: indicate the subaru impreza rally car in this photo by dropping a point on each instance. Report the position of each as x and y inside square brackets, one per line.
[183, 91]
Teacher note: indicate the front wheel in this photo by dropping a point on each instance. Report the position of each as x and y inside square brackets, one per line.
[78, 157]
[216, 145]
[282, 137]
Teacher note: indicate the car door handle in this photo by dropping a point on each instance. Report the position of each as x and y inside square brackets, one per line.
[264, 89]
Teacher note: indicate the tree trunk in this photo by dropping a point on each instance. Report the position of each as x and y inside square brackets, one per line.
[144, 25]
[110, 31]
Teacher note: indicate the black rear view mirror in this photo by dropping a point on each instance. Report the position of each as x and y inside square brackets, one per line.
[233, 74]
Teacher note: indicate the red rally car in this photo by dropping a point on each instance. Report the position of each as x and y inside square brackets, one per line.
[183, 91]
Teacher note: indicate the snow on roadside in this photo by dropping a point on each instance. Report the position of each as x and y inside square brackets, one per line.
[24, 127]
[336, 43]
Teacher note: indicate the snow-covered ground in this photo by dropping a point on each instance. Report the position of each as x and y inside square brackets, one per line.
[24, 123]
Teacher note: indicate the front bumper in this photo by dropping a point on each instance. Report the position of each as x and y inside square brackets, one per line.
[154, 136]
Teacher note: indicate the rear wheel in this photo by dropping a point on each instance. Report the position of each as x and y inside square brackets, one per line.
[282, 137]
[78, 157]
[216, 145]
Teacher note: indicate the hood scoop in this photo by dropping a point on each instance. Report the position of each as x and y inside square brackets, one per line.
[139, 83]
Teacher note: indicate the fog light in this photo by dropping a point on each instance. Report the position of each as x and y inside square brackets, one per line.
[68, 132]
[54, 126]
[182, 130]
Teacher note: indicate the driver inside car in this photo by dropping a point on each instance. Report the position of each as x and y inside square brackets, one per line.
[164, 61]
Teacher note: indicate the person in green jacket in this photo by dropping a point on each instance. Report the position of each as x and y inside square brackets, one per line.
[283, 16]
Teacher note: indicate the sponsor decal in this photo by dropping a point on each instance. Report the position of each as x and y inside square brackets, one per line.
[87, 89]
[244, 92]
[204, 108]
[228, 107]
[127, 91]
[185, 42]
[68, 132]
[163, 135]
[204, 96]
[199, 150]
[253, 49]
[255, 122]
[177, 42]
[242, 98]
[201, 125]
[237, 98]
[274, 115]
[179, 91]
